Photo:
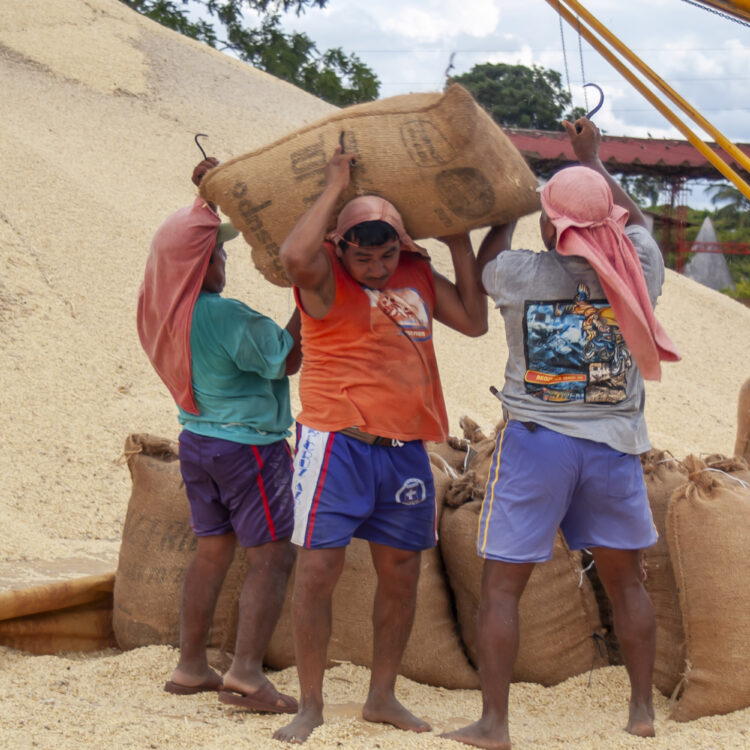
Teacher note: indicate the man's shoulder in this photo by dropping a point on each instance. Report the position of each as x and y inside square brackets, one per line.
[219, 308]
[642, 239]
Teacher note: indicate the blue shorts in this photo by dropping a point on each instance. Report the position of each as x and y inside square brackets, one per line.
[540, 480]
[236, 487]
[345, 488]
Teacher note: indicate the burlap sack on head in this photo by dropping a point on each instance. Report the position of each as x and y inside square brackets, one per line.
[157, 546]
[558, 616]
[662, 475]
[434, 654]
[707, 532]
[440, 158]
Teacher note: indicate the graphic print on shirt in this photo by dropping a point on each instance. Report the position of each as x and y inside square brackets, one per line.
[406, 308]
[575, 351]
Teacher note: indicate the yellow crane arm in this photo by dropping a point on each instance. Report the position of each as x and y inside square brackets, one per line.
[738, 8]
[599, 37]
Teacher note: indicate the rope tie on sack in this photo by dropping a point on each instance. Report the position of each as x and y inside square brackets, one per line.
[585, 570]
[726, 474]
[127, 455]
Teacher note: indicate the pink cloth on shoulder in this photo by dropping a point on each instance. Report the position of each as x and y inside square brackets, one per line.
[175, 270]
[578, 202]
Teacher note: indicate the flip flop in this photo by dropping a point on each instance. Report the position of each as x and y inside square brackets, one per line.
[265, 699]
[212, 684]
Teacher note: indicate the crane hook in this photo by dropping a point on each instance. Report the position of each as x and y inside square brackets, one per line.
[197, 143]
[592, 112]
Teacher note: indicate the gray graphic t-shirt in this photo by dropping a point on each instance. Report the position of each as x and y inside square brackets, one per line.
[569, 368]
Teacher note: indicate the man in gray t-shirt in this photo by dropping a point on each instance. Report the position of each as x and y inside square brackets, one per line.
[568, 366]
[573, 397]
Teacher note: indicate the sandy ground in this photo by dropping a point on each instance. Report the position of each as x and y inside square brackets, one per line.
[100, 110]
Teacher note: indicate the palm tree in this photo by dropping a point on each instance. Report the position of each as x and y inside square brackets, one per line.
[734, 202]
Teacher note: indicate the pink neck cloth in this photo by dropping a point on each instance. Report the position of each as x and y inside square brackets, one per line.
[373, 208]
[578, 202]
[175, 270]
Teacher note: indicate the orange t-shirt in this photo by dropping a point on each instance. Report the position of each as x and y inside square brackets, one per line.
[370, 362]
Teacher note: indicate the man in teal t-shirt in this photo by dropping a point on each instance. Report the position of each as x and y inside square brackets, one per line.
[232, 393]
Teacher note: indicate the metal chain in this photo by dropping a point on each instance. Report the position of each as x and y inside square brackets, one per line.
[718, 13]
[565, 54]
[583, 74]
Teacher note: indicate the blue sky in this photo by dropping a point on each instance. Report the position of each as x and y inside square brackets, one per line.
[704, 57]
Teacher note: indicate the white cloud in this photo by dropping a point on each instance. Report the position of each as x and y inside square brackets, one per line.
[437, 20]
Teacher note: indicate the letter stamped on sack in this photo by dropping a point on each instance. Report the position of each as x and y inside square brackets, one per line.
[425, 144]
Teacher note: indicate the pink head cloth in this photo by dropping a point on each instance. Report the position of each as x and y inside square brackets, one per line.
[373, 208]
[175, 270]
[578, 202]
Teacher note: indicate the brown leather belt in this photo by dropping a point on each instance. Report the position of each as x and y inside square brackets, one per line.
[366, 437]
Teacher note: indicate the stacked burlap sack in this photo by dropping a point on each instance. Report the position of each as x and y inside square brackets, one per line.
[560, 626]
[708, 526]
[697, 574]
[698, 577]
[72, 615]
[157, 546]
[440, 158]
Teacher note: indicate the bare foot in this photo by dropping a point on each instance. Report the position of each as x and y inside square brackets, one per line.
[390, 711]
[300, 727]
[641, 721]
[481, 734]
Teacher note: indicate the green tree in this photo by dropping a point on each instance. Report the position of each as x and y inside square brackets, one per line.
[735, 205]
[520, 97]
[645, 190]
[332, 75]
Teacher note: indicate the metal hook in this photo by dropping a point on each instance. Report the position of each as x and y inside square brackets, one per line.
[450, 66]
[197, 143]
[352, 161]
[592, 112]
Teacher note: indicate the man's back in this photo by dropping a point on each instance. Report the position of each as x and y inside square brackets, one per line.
[569, 367]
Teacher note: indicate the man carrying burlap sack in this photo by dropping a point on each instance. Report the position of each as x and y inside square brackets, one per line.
[371, 395]
[226, 366]
[581, 336]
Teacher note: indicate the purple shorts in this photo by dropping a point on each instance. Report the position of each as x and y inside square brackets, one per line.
[234, 487]
[540, 480]
[345, 488]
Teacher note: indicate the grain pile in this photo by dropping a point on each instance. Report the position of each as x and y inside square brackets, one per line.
[99, 111]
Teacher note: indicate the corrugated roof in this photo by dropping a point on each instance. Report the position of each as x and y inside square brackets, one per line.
[547, 151]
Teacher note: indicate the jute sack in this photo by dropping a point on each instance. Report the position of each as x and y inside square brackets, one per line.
[663, 474]
[84, 627]
[707, 532]
[742, 444]
[558, 614]
[73, 615]
[157, 546]
[434, 654]
[440, 158]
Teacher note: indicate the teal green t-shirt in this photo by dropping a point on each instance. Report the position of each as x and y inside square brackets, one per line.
[239, 382]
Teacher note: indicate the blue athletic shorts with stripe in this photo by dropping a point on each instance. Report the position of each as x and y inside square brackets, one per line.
[236, 487]
[345, 488]
[540, 480]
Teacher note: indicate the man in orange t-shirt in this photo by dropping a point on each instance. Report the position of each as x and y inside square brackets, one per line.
[371, 396]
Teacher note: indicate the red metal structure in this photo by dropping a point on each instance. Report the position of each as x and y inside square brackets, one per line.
[547, 151]
[672, 160]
